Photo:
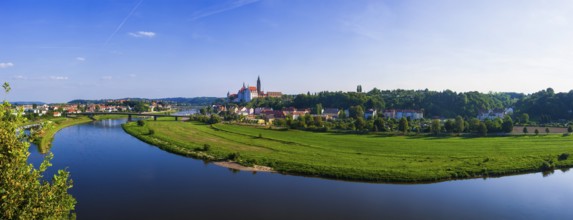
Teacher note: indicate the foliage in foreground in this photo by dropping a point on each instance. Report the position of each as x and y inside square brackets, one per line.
[23, 191]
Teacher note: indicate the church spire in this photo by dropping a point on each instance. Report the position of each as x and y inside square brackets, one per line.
[259, 85]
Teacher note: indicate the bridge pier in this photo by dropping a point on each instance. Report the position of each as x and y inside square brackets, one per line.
[129, 117]
[155, 118]
[176, 118]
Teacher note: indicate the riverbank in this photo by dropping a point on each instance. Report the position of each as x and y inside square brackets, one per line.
[366, 157]
[237, 166]
[56, 124]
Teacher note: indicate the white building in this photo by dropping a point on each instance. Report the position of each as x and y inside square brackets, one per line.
[403, 113]
[244, 111]
[493, 114]
[247, 93]
[370, 113]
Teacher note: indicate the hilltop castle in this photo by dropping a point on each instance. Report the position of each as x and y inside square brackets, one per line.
[248, 93]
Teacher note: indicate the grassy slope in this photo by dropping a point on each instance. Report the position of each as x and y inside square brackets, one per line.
[360, 157]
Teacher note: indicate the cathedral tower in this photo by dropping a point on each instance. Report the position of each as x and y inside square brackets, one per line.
[259, 85]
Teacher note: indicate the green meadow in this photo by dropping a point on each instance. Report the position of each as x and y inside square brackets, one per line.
[361, 157]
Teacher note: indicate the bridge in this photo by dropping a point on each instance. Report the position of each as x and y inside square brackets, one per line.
[129, 115]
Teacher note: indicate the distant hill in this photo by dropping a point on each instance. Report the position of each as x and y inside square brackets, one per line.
[192, 101]
[176, 100]
[27, 103]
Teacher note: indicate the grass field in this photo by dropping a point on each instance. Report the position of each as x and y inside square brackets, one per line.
[360, 157]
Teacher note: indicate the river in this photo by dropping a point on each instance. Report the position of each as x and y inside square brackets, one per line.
[116, 176]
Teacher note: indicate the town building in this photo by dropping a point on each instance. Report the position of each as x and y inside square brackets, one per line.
[493, 114]
[403, 113]
[330, 113]
[370, 113]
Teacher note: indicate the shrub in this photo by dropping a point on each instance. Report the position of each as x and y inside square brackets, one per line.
[233, 156]
[547, 165]
[563, 156]
[260, 135]
[206, 147]
[250, 162]
[151, 132]
[140, 123]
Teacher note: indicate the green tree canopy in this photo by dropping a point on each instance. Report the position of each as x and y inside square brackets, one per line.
[403, 125]
[482, 129]
[23, 192]
[459, 124]
[435, 127]
[507, 125]
[356, 112]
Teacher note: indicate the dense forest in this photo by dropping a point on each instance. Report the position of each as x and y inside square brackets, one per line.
[544, 106]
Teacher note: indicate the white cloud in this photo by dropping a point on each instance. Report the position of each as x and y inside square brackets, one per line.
[39, 78]
[82, 59]
[6, 65]
[146, 34]
[58, 77]
[106, 77]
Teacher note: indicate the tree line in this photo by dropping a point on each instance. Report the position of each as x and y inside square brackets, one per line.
[544, 106]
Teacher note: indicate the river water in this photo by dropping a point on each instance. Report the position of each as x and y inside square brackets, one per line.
[116, 176]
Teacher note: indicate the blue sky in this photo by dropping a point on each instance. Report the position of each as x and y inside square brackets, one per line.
[58, 50]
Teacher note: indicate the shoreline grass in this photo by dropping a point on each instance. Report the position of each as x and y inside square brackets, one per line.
[360, 157]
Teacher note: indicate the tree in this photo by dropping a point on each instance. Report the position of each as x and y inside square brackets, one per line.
[570, 128]
[524, 118]
[23, 191]
[547, 130]
[214, 119]
[449, 125]
[482, 129]
[379, 124]
[507, 125]
[435, 128]
[279, 122]
[474, 125]
[459, 124]
[140, 107]
[359, 123]
[403, 125]
[359, 88]
[536, 131]
[525, 131]
[342, 114]
[318, 109]
[318, 121]
[356, 112]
